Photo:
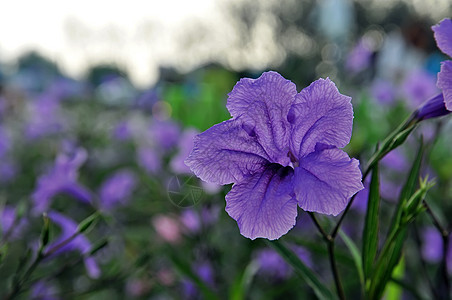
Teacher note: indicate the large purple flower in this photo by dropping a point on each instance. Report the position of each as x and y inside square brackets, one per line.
[443, 37]
[280, 149]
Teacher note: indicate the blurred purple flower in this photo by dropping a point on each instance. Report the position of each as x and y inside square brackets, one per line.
[122, 132]
[272, 264]
[383, 91]
[8, 218]
[5, 142]
[360, 57]
[396, 161]
[432, 244]
[79, 243]
[280, 149]
[117, 189]
[418, 86]
[61, 178]
[164, 134]
[205, 272]
[147, 99]
[185, 147]
[8, 171]
[42, 290]
[443, 37]
[44, 118]
[63, 87]
[149, 159]
[191, 221]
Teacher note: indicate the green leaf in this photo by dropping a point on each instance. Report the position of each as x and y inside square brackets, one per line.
[242, 282]
[388, 260]
[408, 188]
[88, 223]
[45, 233]
[392, 248]
[356, 255]
[394, 291]
[371, 225]
[321, 291]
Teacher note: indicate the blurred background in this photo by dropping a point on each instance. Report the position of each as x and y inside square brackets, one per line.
[100, 101]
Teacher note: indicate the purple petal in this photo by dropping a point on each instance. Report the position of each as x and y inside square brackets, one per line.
[263, 104]
[445, 82]
[262, 204]
[432, 245]
[320, 115]
[117, 189]
[325, 181]
[78, 192]
[92, 268]
[226, 153]
[443, 36]
[418, 86]
[149, 159]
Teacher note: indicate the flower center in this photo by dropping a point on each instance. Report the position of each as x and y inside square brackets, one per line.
[293, 159]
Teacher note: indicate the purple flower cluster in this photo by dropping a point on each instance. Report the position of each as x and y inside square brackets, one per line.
[280, 149]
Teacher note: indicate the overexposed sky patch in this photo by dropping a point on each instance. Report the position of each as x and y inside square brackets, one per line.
[136, 34]
[140, 36]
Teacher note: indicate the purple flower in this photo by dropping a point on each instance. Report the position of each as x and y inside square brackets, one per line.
[149, 159]
[432, 245]
[190, 219]
[418, 86]
[8, 171]
[360, 57]
[10, 225]
[164, 133]
[5, 142]
[44, 117]
[122, 132]
[80, 243]
[43, 291]
[396, 161]
[185, 147]
[383, 91]
[117, 189]
[432, 108]
[62, 178]
[271, 263]
[280, 149]
[205, 272]
[443, 37]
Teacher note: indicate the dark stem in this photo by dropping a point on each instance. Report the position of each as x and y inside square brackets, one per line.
[330, 244]
[423, 264]
[319, 227]
[445, 237]
[39, 257]
[337, 280]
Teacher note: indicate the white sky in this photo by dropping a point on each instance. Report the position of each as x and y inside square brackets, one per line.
[140, 35]
[136, 34]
